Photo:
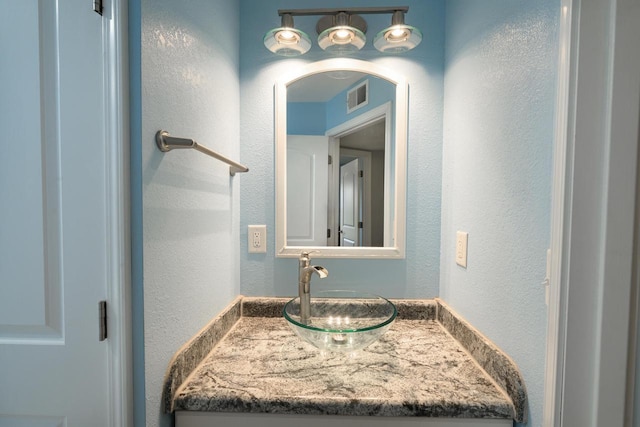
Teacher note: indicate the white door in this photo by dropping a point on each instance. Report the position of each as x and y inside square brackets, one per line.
[367, 214]
[307, 184]
[53, 238]
[350, 203]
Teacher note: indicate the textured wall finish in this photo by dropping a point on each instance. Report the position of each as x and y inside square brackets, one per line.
[418, 274]
[498, 137]
[190, 209]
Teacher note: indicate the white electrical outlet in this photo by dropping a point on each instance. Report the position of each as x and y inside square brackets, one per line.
[257, 239]
[461, 248]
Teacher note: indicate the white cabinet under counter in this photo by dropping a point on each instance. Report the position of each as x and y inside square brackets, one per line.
[210, 419]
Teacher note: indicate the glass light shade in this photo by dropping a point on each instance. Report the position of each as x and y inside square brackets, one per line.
[287, 41]
[397, 38]
[341, 39]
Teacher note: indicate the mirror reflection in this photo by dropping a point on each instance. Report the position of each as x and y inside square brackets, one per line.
[340, 146]
[340, 171]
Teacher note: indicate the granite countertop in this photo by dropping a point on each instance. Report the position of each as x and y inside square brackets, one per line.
[416, 369]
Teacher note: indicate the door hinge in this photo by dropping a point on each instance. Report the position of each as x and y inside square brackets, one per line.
[102, 320]
[360, 224]
[361, 174]
[330, 160]
[97, 7]
[328, 233]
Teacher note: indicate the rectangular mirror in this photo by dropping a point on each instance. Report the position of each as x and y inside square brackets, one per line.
[341, 161]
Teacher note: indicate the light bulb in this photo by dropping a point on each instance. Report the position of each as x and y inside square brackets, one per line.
[287, 36]
[397, 35]
[341, 36]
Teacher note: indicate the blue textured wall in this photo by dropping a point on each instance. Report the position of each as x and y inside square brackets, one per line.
[187, 83]
[306, 118]
[498, 136]
[417, 275]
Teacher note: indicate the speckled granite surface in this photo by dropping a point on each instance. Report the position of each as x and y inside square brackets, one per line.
[425, 365]
[496, 363]
[192, 353]
[416, 369]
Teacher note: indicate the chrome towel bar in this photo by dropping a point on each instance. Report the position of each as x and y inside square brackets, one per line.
[165, 143]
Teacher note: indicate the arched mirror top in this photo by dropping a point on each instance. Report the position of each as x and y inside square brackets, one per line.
[342, 64]
[322, 225]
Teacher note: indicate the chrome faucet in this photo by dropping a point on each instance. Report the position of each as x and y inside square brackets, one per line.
[305, 270]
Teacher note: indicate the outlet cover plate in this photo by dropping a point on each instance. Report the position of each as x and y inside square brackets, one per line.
[462, 238]
[257, 239]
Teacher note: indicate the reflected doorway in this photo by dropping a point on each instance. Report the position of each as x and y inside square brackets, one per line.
[360, 188]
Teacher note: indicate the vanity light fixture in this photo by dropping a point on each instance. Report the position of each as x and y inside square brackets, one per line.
[399, 37]
[342, 31]
[286, 40]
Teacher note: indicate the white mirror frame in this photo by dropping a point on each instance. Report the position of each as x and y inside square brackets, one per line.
[397, 249]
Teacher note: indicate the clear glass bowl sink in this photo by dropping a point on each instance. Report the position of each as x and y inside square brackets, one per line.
[342, 320]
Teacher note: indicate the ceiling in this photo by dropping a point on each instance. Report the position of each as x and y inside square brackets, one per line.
[369, 138]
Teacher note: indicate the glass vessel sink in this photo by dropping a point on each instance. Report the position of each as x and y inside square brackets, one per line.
[342, 321]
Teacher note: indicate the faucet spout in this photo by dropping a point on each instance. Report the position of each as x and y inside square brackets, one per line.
[305, 271]
[305, 276]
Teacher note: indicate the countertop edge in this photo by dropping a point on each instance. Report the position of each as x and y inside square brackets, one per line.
[194, 351]
[377, 408]
[497, 364]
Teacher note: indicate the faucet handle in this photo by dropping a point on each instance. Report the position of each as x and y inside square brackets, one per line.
[306, 254]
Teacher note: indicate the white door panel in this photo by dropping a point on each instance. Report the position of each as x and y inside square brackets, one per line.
[31, 297]
[307, 186]
[53, 232]
[350, 203]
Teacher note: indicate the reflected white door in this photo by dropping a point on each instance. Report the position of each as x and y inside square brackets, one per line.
[307, 184]
[53, 237]
[350, 203]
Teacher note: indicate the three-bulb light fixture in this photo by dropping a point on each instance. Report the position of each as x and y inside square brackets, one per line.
[342, 31]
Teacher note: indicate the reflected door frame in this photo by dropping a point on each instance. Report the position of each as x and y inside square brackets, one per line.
[334, 134]
[350, 204]
[364, 158]
[333, 205]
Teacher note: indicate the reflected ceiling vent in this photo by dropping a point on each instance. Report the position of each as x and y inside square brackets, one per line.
[358, 96]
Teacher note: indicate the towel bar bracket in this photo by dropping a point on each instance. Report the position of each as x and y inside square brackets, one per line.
[165, 142]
